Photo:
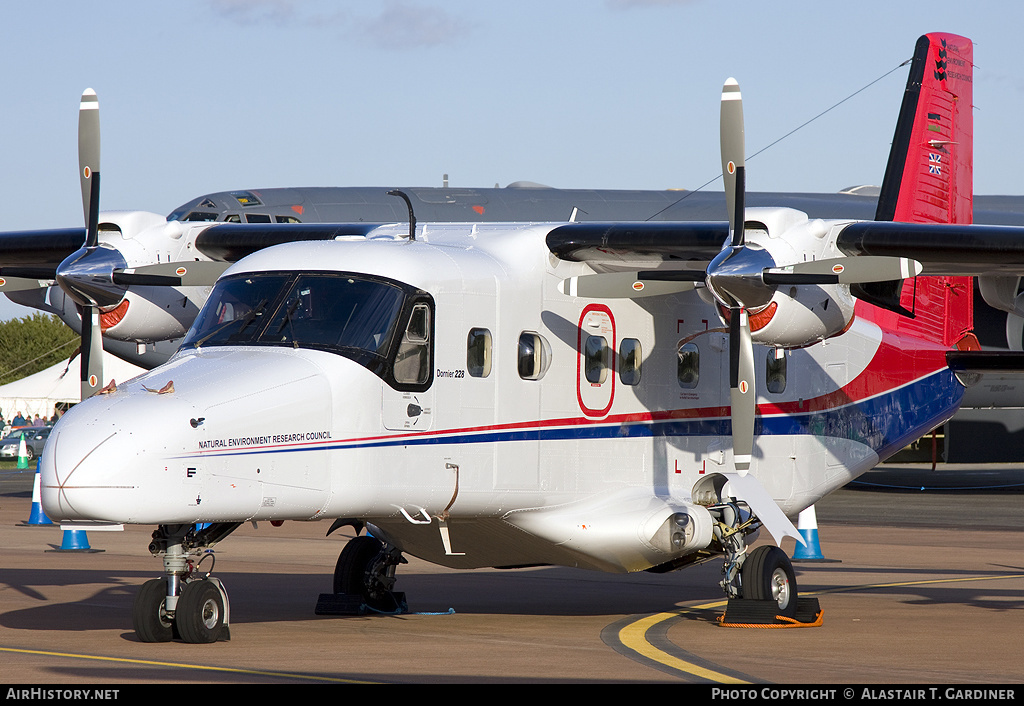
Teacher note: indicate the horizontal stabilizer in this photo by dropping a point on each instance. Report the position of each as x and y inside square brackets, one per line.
[985, 361]
[943, 249]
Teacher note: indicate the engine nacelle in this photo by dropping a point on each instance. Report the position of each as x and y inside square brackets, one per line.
[801, 315]
[145, 315]
[804, 314]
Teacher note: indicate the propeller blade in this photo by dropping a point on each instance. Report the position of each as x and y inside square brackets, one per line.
[742, 390]
[845, 270]
[91, 352]
[733, 146]
[21, 284]
[172, 274]
[630, 285]
[89, 162]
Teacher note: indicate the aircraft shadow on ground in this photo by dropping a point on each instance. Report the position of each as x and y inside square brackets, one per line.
[270, 597]
[995, 594]
[552, 591]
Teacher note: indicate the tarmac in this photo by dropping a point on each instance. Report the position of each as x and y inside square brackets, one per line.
[922, 582]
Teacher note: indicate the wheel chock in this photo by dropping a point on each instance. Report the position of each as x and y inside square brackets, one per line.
[747, 613]
[347, 604]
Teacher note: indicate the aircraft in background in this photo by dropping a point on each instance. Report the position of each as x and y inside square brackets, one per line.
[123, 272]
[620, 396]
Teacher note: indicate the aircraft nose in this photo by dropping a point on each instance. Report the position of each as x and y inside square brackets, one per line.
[93, 467]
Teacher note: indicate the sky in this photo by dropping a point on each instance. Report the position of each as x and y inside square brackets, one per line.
[198, 96]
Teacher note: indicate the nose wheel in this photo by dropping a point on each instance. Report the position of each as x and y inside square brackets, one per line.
[150, 618]
[199, 616]
[184, 604]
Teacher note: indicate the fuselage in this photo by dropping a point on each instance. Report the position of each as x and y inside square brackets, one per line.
[460, 383]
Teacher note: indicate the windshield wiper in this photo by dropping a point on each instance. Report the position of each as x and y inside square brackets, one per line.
[288, 320]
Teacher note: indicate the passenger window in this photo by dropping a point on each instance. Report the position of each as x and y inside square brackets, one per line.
[688, 366]
[412, 363]
[775, 371]
[629, 361]
[478, 353]
[595, 359]
[534, 356]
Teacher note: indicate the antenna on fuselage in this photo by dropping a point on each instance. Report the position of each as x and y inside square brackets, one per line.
[412, 216]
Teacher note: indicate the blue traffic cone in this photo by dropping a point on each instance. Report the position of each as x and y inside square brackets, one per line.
[22, 453]
[38, 518]
[75, 540]
[807, 525]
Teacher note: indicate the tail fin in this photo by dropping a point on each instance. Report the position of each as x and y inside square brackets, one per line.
[930, 179]
[930, 175]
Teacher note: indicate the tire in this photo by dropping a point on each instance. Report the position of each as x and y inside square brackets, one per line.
[768, 576]
[350, 573]
[149, 617]
[199, 615]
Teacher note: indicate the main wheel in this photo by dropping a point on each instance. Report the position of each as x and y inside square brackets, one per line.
[199, 614]
[149, 614]
[352, 574]
[768, 575]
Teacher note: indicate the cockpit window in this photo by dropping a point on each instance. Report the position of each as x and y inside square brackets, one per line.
[200, 216]
[235, 311]
[355, 316]
[336, 312]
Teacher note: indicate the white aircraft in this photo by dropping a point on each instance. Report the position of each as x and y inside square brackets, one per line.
[618, 397]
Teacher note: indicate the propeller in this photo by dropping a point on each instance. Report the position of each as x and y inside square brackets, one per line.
[86, 297]
[744, 277]
[742, 388]
[96, 276]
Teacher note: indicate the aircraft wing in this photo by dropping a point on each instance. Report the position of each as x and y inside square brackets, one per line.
[673, 245]
[40, 249]
[231, 242]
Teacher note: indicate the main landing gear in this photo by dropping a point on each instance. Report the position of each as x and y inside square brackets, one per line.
[764, 574]
[184, 604]
[364, 580]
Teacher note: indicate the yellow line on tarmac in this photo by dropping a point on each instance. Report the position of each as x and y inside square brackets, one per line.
[152, 663]
[634, 635]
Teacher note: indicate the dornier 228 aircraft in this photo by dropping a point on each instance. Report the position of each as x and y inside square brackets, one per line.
[609, 396]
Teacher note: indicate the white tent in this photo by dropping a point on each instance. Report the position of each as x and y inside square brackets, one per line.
[39, 393]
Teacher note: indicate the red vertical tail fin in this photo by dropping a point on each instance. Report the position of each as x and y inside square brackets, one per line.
[930, 175]
[930, 179]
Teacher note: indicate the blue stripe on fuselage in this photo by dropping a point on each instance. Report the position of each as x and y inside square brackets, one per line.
[885, 423]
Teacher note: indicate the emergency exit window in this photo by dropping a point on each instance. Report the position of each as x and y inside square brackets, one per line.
[595, 359]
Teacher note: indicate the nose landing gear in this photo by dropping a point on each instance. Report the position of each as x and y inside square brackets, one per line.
[184, 604]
